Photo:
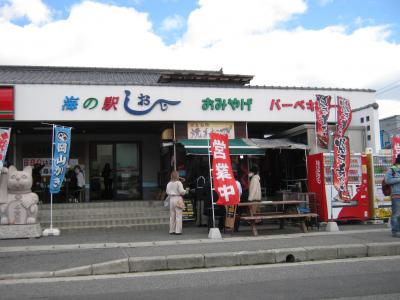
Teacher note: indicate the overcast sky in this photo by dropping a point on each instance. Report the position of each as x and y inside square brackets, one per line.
[322, 43]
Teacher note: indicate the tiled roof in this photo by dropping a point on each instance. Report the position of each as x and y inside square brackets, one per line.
[71, 75]
[126, 76]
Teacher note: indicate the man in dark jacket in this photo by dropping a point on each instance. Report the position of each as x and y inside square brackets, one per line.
[392, 177]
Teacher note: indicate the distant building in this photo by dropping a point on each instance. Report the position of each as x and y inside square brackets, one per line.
[389, 127]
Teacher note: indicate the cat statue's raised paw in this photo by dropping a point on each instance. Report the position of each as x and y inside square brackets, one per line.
[18, 205]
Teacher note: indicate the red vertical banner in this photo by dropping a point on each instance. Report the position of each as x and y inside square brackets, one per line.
[343, 115]
[316, 184]
[223, 180]
[341, 165]
[395, 147]
[322, 108]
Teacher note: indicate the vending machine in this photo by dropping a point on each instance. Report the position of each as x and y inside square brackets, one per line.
[380, 205]
[329, 205]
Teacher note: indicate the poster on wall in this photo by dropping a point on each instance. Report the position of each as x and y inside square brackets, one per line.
[341, 165]
[46, 163]
[222, 174]
[395, 147]
[343, 115]
[4, 141]
[322, 109]
[202, 130]
[61, 146]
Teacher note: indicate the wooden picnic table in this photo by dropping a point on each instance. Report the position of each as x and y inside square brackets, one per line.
[286, 209]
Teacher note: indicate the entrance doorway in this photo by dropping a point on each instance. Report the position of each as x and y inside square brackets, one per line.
[124, 180]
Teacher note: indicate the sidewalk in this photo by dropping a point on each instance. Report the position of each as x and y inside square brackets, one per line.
[83, 250]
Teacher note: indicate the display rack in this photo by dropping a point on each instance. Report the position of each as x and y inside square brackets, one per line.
[381, 203]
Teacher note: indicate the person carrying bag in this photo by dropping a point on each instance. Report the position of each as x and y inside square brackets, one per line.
[175, 191]
[392, 178]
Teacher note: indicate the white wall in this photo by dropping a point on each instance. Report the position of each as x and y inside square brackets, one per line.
[44, 102]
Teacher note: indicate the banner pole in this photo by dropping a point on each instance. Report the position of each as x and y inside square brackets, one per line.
[51, 211]
[51, 230]
[52, 166]
[315, 127]
[332, 225]
[211, 184]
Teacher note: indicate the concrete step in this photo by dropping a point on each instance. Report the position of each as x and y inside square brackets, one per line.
[107, 204]
[141, 215]
[104, 211]
[103, 216]
[147, 224]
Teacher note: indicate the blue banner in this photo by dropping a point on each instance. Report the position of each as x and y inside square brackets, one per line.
[61, 145]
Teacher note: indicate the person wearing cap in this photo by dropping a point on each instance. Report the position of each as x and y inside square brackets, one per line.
[392, 177]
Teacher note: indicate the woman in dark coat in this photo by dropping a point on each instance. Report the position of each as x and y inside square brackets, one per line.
[107, 176]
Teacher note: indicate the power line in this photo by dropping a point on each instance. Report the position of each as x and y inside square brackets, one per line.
[388, 85]
[388, 90]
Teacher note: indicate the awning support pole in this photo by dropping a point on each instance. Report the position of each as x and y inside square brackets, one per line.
[174, 149]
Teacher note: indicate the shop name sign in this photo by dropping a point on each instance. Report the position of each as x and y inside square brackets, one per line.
[279, 105]
[230, 103]
[112, 103]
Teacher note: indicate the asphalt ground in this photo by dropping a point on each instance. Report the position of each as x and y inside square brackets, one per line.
[75, 248]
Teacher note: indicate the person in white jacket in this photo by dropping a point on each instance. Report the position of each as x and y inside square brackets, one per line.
[80, 183]
[254, 188]
[175, 191]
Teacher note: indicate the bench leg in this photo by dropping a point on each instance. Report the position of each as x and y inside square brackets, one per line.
[253, 227]
[281, 224]
[303, 225]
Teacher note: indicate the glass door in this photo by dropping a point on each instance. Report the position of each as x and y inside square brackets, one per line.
[127, 172]
[100, 155]
[115, 172]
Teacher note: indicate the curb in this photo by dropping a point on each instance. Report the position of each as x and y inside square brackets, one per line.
[213, 260]
[112, 245]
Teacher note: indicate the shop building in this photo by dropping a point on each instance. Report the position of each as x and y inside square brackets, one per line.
[143, 121]
[389, 127]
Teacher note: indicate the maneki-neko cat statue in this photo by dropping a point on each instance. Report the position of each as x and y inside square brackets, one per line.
[18, 205]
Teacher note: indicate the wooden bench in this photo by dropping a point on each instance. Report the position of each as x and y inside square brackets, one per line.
[284, 210]
[280, 216]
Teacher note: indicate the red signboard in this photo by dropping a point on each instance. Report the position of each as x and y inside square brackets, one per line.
[395, 147]
[6, 103]
[322, 108]
[341, 165]
[316, 184]
[223, 180]
[343, 115]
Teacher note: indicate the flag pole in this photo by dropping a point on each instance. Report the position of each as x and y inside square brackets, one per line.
[332, 225]
[211, 183]
[214, 232]
[51, 230]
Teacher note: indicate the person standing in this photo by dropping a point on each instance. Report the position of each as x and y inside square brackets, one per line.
[254, 188]
[175, 191]
[80, 182]
[71, 184]
[392, 177]
[107, 177]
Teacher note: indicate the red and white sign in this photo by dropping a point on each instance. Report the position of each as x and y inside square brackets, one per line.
[343, 115]
[395, 147]
[341, 165]
[4, 141]
[223, 180]
[322, 109]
